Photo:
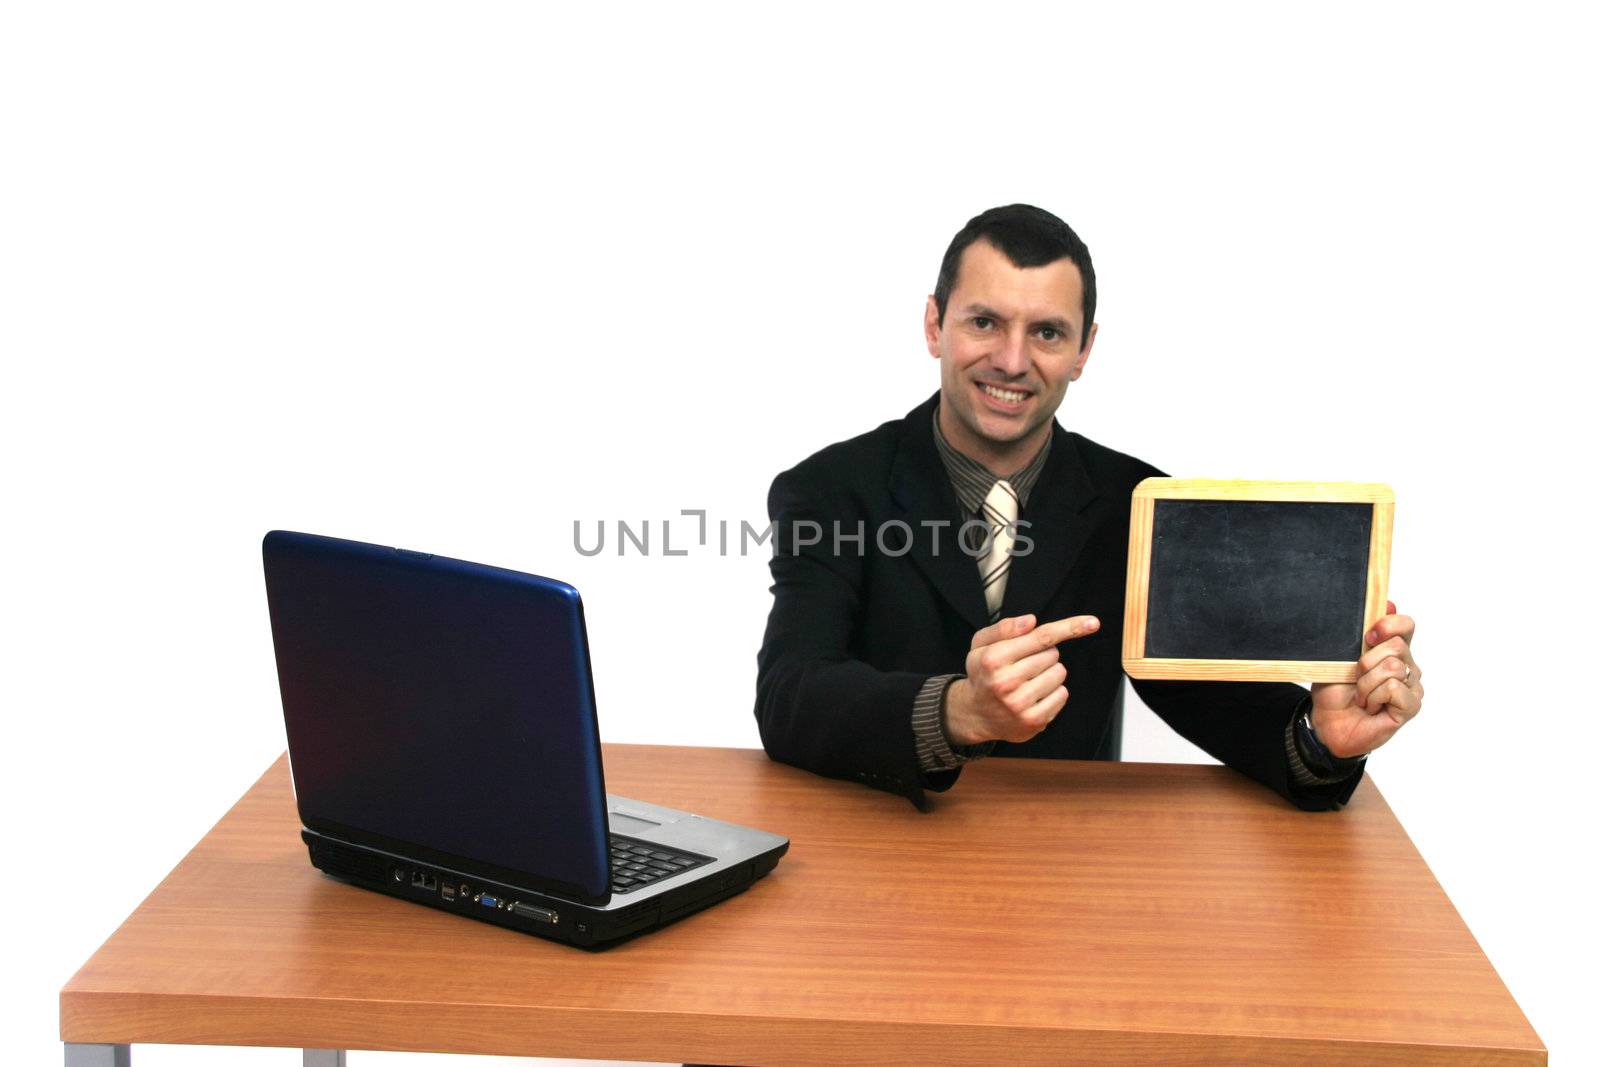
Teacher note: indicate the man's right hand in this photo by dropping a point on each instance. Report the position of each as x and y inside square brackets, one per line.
[1013, 687]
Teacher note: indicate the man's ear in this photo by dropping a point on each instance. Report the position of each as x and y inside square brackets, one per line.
[1083, 353]
[930, 326]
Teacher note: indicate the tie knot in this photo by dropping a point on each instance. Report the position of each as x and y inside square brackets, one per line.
[1002, 502]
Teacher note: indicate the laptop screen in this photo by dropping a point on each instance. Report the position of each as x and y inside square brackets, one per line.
[440, 709]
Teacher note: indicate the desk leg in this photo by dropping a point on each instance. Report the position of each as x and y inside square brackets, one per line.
[97, 1055]
[121, 1056]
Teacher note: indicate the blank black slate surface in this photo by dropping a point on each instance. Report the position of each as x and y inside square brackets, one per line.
[1257, 580]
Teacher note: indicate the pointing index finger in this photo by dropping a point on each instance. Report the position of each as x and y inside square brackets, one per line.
[1001, 630]
[1053, 633]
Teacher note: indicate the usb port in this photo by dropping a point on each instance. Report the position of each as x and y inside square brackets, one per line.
[528, 911]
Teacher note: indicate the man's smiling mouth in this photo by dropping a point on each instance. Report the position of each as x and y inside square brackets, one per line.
[1004, 395]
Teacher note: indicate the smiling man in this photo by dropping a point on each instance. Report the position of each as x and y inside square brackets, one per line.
[950, 585]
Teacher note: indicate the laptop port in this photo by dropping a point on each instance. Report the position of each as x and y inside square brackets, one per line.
[487, 901]
[448, 892]
[528, 911]
[430, 882]
[416, 879]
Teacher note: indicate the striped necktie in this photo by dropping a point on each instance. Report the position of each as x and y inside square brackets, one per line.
[1000, 512]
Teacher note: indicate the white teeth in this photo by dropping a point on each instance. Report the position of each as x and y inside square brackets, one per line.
[1004, 394]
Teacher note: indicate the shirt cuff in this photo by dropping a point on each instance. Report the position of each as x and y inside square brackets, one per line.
[934, 750]
[1299, 771]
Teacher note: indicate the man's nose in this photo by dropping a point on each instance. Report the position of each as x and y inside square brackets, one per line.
[1011, 356]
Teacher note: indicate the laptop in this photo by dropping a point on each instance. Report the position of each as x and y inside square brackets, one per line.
[444, 749]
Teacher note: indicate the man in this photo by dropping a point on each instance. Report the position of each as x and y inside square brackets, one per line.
[907, 637]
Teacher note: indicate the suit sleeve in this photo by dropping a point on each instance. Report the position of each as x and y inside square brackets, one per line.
[1244, 724]
[818, 706]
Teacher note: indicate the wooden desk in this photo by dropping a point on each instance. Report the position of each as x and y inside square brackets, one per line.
[1046, 913]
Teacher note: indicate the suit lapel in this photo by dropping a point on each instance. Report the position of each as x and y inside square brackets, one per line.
[1057, 527]
[920, 488]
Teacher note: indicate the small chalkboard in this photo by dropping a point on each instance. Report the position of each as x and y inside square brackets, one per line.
[1254, 581]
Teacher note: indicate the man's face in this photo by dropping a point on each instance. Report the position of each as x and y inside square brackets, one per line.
[1007, 349]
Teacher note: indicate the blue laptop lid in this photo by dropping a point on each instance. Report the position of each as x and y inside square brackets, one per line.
[440, 709]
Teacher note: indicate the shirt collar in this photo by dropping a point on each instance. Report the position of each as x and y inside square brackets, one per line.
[972, 480]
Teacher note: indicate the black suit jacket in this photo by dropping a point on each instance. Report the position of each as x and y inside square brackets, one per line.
[853, 634]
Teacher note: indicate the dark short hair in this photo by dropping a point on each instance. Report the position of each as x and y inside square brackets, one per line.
[1029, 237]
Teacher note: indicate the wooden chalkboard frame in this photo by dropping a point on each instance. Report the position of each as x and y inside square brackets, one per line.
[1141, 525]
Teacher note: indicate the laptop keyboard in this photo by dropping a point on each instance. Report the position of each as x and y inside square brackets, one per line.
[636, 864]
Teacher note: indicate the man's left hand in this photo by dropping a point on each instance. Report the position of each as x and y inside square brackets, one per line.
[1352, 720]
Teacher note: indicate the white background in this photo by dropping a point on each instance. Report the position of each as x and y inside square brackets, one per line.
[451, 277]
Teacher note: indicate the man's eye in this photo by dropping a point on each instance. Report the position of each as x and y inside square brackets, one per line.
[982, 322]
[1049, 333]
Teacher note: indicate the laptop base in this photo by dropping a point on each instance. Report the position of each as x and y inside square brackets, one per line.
[528, 911]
